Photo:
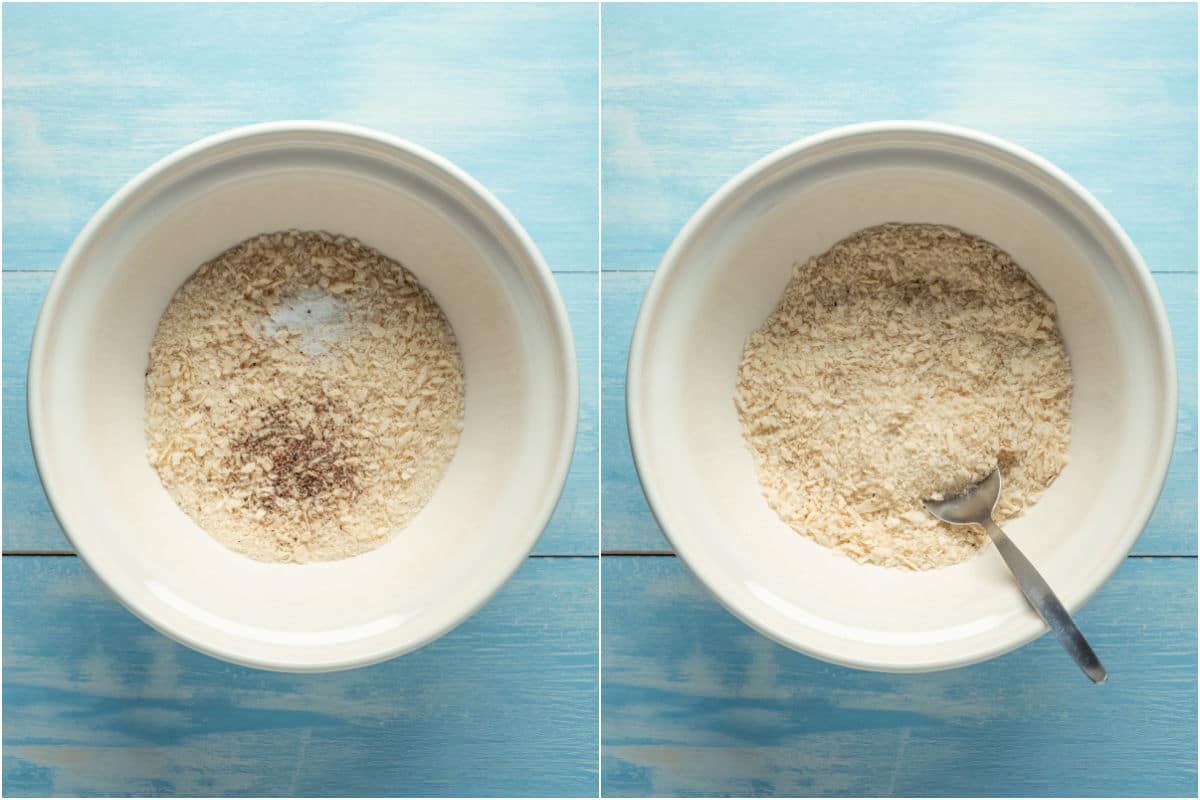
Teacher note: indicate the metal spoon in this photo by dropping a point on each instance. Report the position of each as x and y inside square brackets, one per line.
[973, 506]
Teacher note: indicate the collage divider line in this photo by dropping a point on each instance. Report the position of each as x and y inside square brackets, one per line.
[599, 397]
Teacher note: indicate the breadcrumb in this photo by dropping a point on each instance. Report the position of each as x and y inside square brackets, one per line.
[903, 364]
[304, 396]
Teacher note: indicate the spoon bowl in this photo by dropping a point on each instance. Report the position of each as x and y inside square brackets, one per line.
[972, 505]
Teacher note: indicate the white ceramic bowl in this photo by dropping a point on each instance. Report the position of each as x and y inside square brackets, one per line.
[725, 273]
[86, 403]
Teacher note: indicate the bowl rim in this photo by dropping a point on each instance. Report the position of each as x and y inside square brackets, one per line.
[544, 285]
[716, 204]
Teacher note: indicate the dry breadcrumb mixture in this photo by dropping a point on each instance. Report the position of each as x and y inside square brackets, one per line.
[904, 363]
[304, 397]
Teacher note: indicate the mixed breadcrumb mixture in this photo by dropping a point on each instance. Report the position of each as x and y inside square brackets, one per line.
[304, 396]
[903, 364]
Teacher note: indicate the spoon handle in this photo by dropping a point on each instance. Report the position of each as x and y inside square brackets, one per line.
[1047, 605]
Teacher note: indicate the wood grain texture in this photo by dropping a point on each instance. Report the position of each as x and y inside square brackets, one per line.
[693, 94]
[695, 702]
[628, 524]
[30, 525]
[93, 94]
[98, 703]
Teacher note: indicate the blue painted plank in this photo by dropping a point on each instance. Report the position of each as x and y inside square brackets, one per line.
[696, 703]
[691, 95]
[628, 524]
[95, 93]
[29, 525]
[97, 703]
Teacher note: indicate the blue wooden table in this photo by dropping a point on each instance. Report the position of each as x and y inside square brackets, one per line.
[694, 702]
[95, 702]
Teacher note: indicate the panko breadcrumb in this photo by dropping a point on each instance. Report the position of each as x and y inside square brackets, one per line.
[904, 363]
[304, 396]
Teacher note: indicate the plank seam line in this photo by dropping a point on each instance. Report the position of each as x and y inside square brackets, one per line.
[51, 270]
[587, 270]
[644, 270]
[671, 554]
[71, 554]
[605, 553]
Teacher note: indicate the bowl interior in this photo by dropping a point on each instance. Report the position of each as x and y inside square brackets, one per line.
[727, 273]
[87, 407]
